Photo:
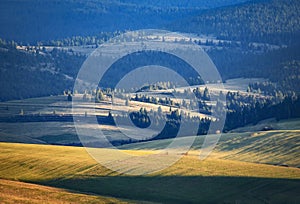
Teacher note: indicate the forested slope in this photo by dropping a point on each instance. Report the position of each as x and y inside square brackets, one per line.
[275, 21]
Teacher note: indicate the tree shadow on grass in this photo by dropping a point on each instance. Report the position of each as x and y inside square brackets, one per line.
[186, 189]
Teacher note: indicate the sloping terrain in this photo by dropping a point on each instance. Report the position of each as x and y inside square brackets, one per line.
[273, 21]
[27, 74]
[280, 146]
[189, 180]
[20, 192]
[32, 21]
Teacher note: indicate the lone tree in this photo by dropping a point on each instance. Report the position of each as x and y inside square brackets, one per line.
[206, 94]
[69, 97]
[127, 102]
[99, 96]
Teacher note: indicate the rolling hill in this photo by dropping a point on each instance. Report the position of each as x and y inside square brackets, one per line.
[275, 147]
[20, 192]
[260, 166]
[189, 180]
[43, 44]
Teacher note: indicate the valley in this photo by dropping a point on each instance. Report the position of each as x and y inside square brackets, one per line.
[139, 101]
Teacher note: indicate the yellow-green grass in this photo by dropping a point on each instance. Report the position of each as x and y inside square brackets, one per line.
[276, 147]
[272, 123]
[189, 180]
[22, 193]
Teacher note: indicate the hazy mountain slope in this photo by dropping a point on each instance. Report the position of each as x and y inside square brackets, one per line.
[25, 74]
[276, 21]
[202, 4]
[280, 66]
[35, 20]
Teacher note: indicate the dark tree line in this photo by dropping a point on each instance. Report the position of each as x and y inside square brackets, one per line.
[250, 110]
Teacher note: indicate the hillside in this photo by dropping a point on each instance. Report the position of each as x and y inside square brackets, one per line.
[274, 21]
[201, 4]
[32, 21]
[200, 181]
[20, 192]
[72, 25]
[276, 147]
[32, 73]
[281, 66]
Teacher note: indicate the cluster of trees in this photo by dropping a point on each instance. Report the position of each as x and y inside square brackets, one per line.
[203, 95]
[265, 88]
[241, 45]
[81, 40]
[173, 125]
[280, 66]
[255, 112]
[140, 118]
[150, 99]
[98, 95]
[171, 122]
[158, 86]
[284, 81]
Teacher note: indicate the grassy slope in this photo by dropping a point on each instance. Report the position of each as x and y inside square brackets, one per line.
[280, 146]
[189, 180]
[290, 124]
[19, 192]
[34, 105]
[212, 180]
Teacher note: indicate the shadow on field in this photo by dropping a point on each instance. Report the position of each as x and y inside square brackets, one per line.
[187, 189]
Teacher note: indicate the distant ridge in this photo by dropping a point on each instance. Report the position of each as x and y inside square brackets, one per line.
[275, 21]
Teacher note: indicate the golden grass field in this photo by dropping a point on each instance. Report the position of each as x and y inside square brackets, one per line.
[276, 147]
[189, 180]
[22, 193]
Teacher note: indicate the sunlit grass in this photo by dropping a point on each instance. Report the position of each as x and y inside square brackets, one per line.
[42, 162]
[276, 147]
[19, 192]
[188, 180]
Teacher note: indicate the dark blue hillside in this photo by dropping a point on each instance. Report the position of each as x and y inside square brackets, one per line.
[29, 21]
